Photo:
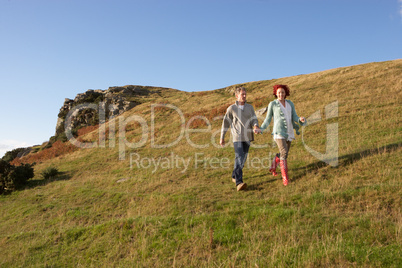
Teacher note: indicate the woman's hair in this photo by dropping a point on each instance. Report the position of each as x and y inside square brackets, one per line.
[285, 87]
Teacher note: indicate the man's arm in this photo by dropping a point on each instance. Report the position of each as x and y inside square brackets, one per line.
[254, 122]
[256, 129]
[227, 121]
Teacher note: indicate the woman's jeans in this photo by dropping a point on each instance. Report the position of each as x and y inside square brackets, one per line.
[284, 146]
[241, 151]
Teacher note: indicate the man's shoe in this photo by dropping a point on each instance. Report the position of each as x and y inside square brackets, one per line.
[242, 186]
[234, 180]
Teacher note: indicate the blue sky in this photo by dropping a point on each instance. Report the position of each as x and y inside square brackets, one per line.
[54, 49]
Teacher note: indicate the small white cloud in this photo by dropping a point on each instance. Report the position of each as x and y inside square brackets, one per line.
[3, 146]
[8, 145]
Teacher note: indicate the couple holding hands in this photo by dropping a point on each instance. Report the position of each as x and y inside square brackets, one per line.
[242, 120]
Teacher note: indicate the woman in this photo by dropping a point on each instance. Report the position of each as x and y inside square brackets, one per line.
[285, 118]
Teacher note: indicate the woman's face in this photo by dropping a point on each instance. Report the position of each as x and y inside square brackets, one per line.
[281, 94]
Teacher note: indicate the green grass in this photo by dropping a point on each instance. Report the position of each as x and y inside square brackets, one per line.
[99, 212]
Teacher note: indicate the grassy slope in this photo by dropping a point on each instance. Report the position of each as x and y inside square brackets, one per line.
[101, 212]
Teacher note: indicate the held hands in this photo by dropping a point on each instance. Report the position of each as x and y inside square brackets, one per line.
[302, 119]
[257, 130]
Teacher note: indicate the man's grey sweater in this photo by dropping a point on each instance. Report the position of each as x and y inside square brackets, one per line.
[240, 121]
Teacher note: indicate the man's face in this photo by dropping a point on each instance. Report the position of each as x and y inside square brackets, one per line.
[241, 96]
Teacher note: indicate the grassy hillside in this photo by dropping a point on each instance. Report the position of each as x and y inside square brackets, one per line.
[177, 207]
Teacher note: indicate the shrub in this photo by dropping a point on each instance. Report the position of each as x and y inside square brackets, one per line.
[12, 177]
[18, 176]
[50, 173]
[59, 137]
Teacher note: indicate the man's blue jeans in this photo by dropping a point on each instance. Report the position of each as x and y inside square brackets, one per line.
[241, 152]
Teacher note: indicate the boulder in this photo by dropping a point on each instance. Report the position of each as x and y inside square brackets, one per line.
[262, 111]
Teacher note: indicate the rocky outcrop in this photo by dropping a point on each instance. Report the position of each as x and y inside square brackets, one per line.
[261, 111]
[111, 102]
[24, 152]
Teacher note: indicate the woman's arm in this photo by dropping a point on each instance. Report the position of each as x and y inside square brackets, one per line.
[268, 118]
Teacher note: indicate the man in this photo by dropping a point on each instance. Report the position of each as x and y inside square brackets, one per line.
[241, 118]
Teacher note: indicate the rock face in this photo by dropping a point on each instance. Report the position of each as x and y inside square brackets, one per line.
[85, 109]
[262, 111]
[24, 152]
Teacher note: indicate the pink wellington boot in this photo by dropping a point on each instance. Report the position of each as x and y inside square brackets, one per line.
[284, 171]
[274, 164]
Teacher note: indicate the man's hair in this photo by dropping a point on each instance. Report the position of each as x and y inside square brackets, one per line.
[239, 89]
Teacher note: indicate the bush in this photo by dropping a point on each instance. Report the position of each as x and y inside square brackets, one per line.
[50, 173]
[11, 155]
[59, 137]
[12, 177]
